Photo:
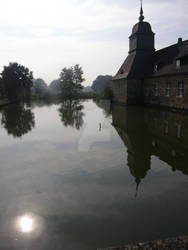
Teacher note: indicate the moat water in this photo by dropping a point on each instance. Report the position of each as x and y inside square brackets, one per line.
[82, 175]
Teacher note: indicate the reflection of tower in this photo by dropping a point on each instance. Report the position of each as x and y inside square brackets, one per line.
[147, 132]
[129, 123]
[138, 155]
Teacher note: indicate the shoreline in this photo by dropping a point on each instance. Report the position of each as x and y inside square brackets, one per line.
[5, 103]
[174, 243]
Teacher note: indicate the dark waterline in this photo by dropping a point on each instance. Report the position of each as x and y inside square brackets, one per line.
[85, 175]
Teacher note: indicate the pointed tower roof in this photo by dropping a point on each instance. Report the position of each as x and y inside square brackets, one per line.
[141, 47]
[142, 26]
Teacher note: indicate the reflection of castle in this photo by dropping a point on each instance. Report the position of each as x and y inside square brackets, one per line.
[148, 133]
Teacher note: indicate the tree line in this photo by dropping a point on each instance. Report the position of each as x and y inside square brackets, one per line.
[17, 83]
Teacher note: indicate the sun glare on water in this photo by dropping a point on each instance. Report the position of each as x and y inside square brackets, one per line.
[29, 224]
[26, 224]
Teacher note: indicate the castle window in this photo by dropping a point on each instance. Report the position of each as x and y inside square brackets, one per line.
[156, 89]
[155, 68]
[180, 89]
[178, 63]
[122, 72]
[168, 89]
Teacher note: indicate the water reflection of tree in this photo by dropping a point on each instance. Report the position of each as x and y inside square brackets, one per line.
[71, 113]
[17, 119]
[105, 105]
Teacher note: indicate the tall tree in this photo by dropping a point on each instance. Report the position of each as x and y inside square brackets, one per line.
[55, 86]
[17, 81]
[101, 82]
[71, 79]
[39, 86]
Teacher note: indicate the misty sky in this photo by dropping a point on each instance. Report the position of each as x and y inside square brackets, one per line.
[47, 35]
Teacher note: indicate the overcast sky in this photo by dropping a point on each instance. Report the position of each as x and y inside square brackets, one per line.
[47, 35]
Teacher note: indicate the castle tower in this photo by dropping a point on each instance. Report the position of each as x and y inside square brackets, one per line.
[142, 37]
[127, 84]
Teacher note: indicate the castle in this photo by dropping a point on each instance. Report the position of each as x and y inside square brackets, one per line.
[152, 77]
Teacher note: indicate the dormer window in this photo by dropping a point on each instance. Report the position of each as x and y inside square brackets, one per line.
[155, 68]
[122, 72]
[178, 63]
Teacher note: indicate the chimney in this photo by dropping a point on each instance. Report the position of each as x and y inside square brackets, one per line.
[180, 40]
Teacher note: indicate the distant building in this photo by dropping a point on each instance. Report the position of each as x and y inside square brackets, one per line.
[152, 77]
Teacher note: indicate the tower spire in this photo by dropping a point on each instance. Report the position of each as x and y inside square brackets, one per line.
[137, 186]
[141, 17]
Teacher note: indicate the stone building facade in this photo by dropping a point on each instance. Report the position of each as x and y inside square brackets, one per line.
[152, 77]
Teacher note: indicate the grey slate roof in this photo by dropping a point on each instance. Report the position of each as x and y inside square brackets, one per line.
[141, 27]
[138, 65]
[166, 59]
[125, 68]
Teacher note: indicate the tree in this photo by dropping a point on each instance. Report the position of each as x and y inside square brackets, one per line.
[101, 82]
[55, 86]
[107, 93]
[40, 86]
[70, 81]
[17, 81]
[2, 94]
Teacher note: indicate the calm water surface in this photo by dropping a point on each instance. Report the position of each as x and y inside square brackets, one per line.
[85, 175]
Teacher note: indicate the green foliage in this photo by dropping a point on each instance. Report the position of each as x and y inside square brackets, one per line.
[16, 81]
[87, 95]
[39, 86]
[107, 93]
[4, 102]
[101, 82]
[70, 81]
[2, 94]
[55, 86]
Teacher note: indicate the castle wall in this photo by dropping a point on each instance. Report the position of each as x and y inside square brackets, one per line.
[134, 91]
[120, 90]
[155, 91]
[127, 91]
